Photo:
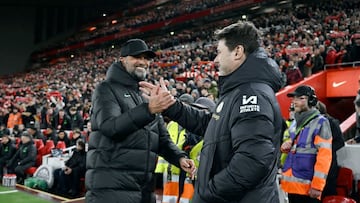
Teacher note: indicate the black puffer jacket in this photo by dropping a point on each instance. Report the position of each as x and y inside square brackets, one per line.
[124, 144]
[238, 161]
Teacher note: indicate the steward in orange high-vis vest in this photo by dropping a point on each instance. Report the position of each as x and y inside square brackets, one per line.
[309, 150]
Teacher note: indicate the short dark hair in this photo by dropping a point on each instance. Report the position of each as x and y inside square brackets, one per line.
[241, 33]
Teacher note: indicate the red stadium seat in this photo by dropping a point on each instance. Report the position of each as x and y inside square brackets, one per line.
[41, 150]
[60, 145]
[48, 146]
[338, 199]
[30, 171]
[344, 182]
[38, 143]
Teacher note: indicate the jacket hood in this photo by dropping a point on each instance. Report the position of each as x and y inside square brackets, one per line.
[258, 68]
[117, 73]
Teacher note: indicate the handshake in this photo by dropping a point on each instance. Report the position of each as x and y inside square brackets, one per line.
[159, 96]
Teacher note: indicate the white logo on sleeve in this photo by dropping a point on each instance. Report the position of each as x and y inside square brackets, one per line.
[249, 104]
[251, 100]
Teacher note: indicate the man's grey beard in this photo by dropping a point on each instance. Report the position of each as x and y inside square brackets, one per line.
[139, 74]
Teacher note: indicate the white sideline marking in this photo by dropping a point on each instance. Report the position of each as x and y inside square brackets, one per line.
[7, 192]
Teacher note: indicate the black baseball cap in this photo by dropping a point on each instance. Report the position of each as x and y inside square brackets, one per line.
[204, 103]
[301, 91]
[134, 47]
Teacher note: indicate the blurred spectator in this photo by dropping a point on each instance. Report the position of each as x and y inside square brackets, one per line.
[29, 113]
[15, 118]
[7, 150]
[76, 119]
[76, 136]
[354, 49]
[61, 121]
[293, 74]
[50, 133]
[4, 130]
[47, 118]
[88, 130]
[24, 157]
[318, 62]
[306, 65]
[62, 136]
[18, 130]
[333, 56]
[67, 179]
[36, 133]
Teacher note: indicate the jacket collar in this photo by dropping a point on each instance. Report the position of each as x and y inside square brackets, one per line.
[118, 74]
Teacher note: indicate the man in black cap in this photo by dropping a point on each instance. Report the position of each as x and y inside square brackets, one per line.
[309, 149]
[128, 133]
[36, 133]
[24, 157]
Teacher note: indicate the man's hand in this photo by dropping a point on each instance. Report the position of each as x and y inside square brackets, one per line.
[159, 97]
[285, 147]
[188, 166]
[314, 193]
[67, 170]
[351, 141]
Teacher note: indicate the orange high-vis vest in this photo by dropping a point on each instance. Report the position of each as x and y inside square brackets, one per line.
[309, 160]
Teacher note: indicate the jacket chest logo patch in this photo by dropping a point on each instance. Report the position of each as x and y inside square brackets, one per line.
[249, 104]
[219, 107]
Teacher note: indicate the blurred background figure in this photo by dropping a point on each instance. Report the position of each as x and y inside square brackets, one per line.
[24, 157]
[7, 151]
[67, 179]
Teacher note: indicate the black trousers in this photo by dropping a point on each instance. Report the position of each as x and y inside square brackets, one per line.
[19, 170]
[2, 165]
[65, 183]
[295, 198]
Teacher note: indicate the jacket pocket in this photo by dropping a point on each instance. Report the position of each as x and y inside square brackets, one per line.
[206, 163]
[303, 166]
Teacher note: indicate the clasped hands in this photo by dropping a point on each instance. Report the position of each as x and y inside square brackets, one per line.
[158, 96]
[188, 165]
[159, 100]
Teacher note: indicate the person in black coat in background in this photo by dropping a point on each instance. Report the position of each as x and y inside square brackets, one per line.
[24, 157]
[337, 143]
[7, 151]
[128, 133]
[67, 179]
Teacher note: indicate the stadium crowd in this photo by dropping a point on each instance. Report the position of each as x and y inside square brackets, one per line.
[55, 99]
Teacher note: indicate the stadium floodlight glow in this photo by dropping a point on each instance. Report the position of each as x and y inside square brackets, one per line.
[283, 2]
[112, 46]
[255, 7]
[244, 17]
[92, 29]
[172, 33]
[104, 15]
[72, 55]
[269, 10]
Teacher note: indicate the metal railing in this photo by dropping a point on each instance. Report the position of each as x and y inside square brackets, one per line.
[342, 65]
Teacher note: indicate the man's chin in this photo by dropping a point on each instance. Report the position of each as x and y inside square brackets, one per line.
[140, 76]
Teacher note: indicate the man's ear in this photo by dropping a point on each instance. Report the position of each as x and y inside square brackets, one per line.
[239, 51]
[122, 59]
